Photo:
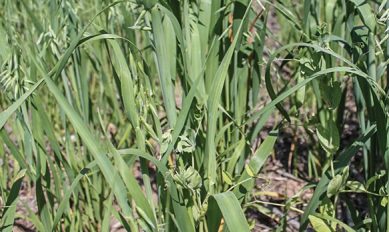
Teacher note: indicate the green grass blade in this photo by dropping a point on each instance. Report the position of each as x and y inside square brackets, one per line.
[164, 67]
[231, 211]
[213, 103]
[8, 216]
[255, 164]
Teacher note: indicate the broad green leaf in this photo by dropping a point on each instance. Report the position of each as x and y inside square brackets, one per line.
[356, 186]
[227, 178]
[334, 220]
[249, 171]
[319, 224]
[227, 206]
[332, 94]
[330, 9]
[164, 67]
[384, 201]
[307, 9]
[366, 13]
[328, 136]
[148, 4]
[126, 83]
[327, 207]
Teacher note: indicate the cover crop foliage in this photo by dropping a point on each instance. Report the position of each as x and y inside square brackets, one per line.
[160, 115]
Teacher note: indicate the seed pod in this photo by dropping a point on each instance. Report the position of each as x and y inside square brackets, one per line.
[334, 186]
[188, 178]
